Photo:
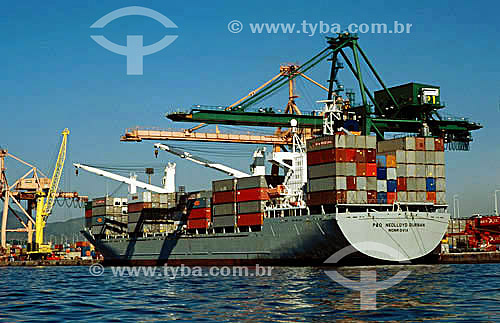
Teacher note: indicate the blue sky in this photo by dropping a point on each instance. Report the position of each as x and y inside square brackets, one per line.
[55, 76]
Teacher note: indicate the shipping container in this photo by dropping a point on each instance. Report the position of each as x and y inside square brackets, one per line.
[340, 155]
[412, 197]
[429, 144]
[381, 185]
[324, 170]
[391, 197]
[350, 169]
[322, 198]
[430, 185]
[438, 144]
[251, 207]
[391, 173]
[224, 185]
[411, 170]
[441, 198]
[360, 156]
[350, 155]
[411, 183]
[361, 169]
[351, 183]
[402, 184]
[381, 197]
[251, 219]
[252, 194]
[371, 142]
[431, 197]
[381, 161]
[406, 143]
[224, 197]
[138, 207]
[88, 213]
[371, 156]
[421, 196]
[350, 141]
[361, 197]
[204, 213]
[200, 203]
[361, 142]
[224, 209]
[361, 184]
[102, 201]
[224, 221]
[382, 173]
[400, 157]
[421, 184]
[441, 184]
[410, 156]
[322, 143]
[351, 197]
[372, 196]
[440, 171]
[439, 155]
[401, 170]
[392, 185]
[420, 144]
[420, 157]
[198, 224]
[391, 160]
[251, 182]
[371, 183]
[402, 196]
[371, 169]
[430, 157]
[420, 170]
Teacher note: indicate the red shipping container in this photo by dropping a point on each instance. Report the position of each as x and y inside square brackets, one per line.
[341, 197]
[372, 197]
[198, 224]
[351, 183]
[321, 198]
[88, 213]
[320, 157]
[350, 155]
[439, 144]
[138, 207]
[420, 143]
[204, 213]
[252, 194]
[371, 169]
[250, 219]
[340, 155]
[371, 155]
[391, 197]
[361, 169]
[431, 197]
[223, 197]
[489, 221]
[360, 156]
[402, 184]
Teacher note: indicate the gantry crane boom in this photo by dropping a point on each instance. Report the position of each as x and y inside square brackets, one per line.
[132, 182]
[222, 168]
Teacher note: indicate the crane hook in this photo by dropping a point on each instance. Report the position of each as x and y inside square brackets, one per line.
[76, 171]
[156, 153]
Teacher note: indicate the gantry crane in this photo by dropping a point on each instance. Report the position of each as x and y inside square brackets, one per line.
[40, 194]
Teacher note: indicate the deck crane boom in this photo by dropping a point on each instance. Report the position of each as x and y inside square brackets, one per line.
[183, 154]
[132, 181]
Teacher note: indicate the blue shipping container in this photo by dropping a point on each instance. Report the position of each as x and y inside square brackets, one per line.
[382, 197]
[382, 172]
[392, 185]
[381, 161]
[430, 184]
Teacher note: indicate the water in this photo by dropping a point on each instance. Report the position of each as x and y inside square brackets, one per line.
[440, 292]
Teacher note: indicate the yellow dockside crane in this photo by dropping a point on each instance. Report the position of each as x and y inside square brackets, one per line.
[44, 205]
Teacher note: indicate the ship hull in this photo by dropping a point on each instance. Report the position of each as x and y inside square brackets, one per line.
[294, 241]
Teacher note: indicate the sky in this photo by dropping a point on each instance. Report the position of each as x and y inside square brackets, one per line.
[54, 76]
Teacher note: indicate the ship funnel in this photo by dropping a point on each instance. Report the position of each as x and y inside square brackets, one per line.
[168, 179]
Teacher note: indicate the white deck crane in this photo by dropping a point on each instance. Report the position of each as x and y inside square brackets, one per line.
[184, 154]
[132, 181]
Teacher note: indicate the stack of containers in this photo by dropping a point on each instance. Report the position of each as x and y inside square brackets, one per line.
[105, 208]
[88, 214]
[224, 203]
[251, 197]
[199, 211]
[136, 204]
[411, 170]
[341, 169]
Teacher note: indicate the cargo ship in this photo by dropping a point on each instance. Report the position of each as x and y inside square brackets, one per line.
[339, 185]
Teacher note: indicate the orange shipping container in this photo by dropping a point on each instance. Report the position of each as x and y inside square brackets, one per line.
[138, 207]
[391, 160]
[252, 194]
[420, 143]
[203, 213]
[439, 144]
[340, 155]
[371, 169]
[431, 197]
[361, 169]
[198, 224]
[391, 197]
[251, 219]
[350, 155]
[360, 156]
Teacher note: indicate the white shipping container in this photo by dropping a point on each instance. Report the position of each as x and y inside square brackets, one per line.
[371, 183]
[420, 157]
[391, 173]
[429, 144]
[439, 157]
[411, 170]
[361, 183]
[361, 197]
[401, 170]
[402, 196]
[412, 197]
[410, 157]
[441, 198]
[350, 169]
[430, 171]
[341, 183]
[430, 157]
[350, 141]
[411, 184]
[441, 184]
[360, 142]
[421, 184]
[400, 157]
[420, 170]
[381, 185]
[371, 142]
[351, 197]
[440, 171]
[340, 141]
[421, 197]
